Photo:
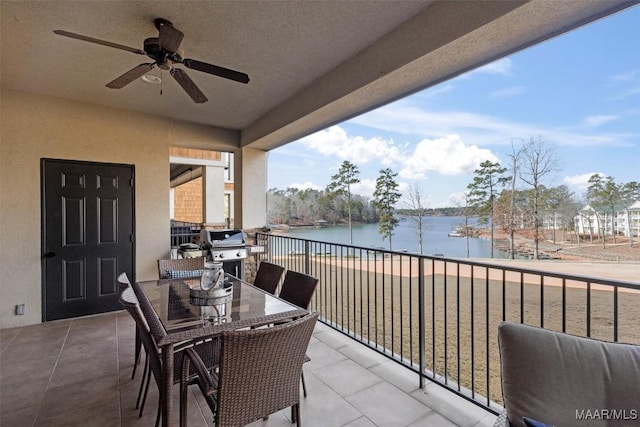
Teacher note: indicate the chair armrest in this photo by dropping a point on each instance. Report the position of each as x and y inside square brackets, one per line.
[208, 382]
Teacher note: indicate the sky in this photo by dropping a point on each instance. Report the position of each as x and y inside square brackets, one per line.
[578, 92]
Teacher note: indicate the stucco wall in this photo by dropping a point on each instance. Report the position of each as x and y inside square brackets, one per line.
[34, 127]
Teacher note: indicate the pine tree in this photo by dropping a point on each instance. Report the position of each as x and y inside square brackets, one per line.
[341, 184]
[385, 197]
[484, 190]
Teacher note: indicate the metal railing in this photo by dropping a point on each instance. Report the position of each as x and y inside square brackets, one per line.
[439, 316]
[184, 232]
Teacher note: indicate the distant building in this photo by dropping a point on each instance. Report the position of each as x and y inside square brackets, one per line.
[625, 221]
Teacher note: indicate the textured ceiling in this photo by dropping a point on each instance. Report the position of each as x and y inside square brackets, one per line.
[311, 63]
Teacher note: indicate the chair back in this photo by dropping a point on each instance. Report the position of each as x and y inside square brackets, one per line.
[298, 288]
[260, 370]
[268, 276]
[550, 376]
[123, 281]
[175, 268]
[130, 302]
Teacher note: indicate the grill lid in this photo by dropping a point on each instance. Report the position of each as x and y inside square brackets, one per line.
[223, 238]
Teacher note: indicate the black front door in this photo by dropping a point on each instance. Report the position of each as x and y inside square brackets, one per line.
[87, 236]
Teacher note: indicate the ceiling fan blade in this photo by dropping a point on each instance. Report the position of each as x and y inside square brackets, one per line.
[98, 41]
[188, 85]
[130, 76]
[170, 37]
[216, 70]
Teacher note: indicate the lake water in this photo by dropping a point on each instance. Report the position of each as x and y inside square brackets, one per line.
[435, 238]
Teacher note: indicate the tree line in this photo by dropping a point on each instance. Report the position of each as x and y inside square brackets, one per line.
[511, 197]
[516, 197]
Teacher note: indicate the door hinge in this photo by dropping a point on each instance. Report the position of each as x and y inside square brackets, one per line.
[131, 238]
[132, 182]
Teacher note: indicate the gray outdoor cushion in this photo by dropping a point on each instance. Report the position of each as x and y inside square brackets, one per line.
[558, 378]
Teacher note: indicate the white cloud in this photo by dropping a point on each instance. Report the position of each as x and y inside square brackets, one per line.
[408, 118]
[500, 67]
[579, 183]
[447, 156]
[458, 199]
[306, 186]
[595, 121]
[334, 141]
[508, 92]
[365, 187]
[627, 94]
[434, 92]
[627, 77]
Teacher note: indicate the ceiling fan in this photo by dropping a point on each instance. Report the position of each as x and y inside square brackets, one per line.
[165, 51]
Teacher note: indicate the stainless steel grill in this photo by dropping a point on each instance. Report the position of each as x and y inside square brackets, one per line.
[228, 247]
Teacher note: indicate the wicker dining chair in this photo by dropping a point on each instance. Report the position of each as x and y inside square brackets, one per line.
[180, 268]
[123, 283]
[298, 288]
[258, 373]
[268, 276]
[150, 329]
[130, 302]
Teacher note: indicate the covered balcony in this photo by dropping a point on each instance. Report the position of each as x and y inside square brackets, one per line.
[310, 66]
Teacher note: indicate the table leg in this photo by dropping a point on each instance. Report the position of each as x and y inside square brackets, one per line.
[166, 394]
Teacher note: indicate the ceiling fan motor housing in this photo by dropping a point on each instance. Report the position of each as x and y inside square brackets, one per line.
[154, 51]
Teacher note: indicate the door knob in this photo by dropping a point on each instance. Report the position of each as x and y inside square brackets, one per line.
[49, 254]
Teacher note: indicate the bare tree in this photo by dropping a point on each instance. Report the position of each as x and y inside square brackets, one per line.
[514, 167]
[538, 162]
[416, 205]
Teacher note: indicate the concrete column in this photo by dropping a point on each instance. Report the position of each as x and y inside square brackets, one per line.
[213, 196]
[250, 201]
[172, 203]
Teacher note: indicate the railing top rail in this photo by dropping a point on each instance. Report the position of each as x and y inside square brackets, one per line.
[538, 272]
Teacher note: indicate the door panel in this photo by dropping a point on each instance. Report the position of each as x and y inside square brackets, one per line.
[87, 236]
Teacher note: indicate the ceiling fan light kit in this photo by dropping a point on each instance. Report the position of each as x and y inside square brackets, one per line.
[166, 53]
[150, 78]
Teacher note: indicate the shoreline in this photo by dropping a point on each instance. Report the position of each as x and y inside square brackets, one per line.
[563, 251]
[407, 267]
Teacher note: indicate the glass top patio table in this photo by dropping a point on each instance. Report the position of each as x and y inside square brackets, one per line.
[187, 319]
[178, 310]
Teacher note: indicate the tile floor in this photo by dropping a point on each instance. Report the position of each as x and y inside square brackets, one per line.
[78, 373]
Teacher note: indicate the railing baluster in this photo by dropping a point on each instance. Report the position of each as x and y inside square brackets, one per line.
[446, 358]
[421, 319]
[401, 308]
[392, 291]
[615, 313]
[564, 305]
[521, 297]
[473, 352]
[589, 309]
[504, 295]
[433, 318]
[541, 301]
[459, 380]
[486, 337]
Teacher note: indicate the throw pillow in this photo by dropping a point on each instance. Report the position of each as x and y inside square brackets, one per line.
[530, 422]
[183, 274]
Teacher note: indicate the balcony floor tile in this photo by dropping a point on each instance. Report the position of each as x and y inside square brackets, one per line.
[78, 372]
